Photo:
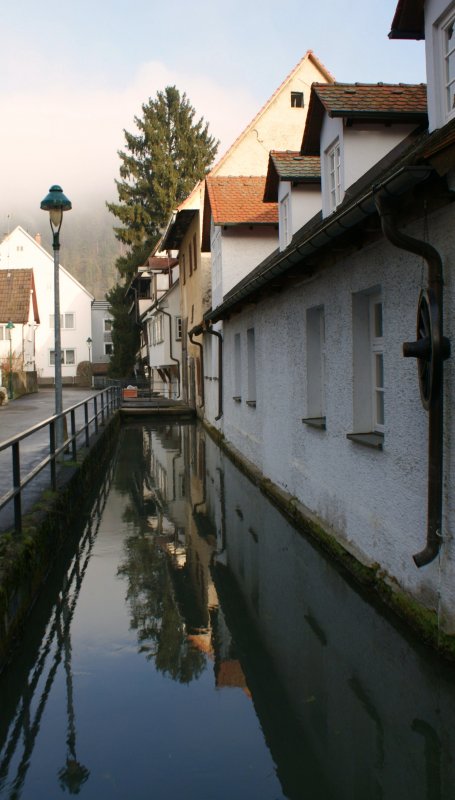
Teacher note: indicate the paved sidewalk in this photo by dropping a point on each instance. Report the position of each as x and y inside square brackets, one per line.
[20, 415]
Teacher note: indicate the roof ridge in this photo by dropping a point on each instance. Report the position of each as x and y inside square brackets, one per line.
[308, 54]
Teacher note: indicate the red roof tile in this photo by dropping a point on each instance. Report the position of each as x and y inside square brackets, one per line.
[290, 166]
[239, 200]
[396, 102]
[15, 288]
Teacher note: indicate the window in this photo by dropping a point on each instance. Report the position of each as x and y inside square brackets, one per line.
[66, 321]
[2, 333]
[190, 255]
[449, 64]
[315, 330]
[377, 366]
[178, 328]
[296, 99]
[183, 269]
[237, 368]
[107, 325]
[368, 366]
[333, 163]
[251, 355]
[108, 348]
[68, 357]
[158, 329]
[285, 222]
[194, 252]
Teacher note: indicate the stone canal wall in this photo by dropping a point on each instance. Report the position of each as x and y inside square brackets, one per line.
[25, 560]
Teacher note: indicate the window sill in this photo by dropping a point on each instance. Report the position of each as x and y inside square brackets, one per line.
[237, 399]
[251, 403]
[315, 422]
[374, 440]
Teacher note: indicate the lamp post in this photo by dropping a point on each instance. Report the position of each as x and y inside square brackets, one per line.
[9, 327]
[89, 345]
[56, 203]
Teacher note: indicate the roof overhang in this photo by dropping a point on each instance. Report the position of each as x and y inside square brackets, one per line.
[177, 228]
[409, 20]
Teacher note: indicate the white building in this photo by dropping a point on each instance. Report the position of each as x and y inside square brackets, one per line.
[19, 250]
[318, 398]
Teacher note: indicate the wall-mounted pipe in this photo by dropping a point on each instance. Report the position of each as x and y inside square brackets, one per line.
[198, 330]
[220, 370]
[387, 215]
[175, 360]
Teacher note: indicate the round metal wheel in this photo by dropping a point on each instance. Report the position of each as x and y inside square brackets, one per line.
[427, 348]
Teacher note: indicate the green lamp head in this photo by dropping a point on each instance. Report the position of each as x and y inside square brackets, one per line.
[56, 203]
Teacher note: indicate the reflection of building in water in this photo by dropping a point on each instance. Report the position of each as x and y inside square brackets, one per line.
[182, 506]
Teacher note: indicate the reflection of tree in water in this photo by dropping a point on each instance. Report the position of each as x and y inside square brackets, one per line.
[155, 613]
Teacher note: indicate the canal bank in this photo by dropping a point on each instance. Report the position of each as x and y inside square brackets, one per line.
[26, 558]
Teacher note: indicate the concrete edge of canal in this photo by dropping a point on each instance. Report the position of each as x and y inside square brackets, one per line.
[26, 559]
[369, 578]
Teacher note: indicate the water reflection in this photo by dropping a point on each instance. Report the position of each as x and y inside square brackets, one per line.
[222, 594]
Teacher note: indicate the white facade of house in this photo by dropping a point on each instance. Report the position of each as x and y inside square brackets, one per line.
[235, 251]
[20, 250]
[360, 147]
[101, 348]
[318, 397]
[163, 324]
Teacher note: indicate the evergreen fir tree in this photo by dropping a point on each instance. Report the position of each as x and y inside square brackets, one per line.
[159, 168]
[125, 335]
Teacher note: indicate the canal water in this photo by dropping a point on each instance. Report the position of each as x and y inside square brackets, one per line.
[191, 644]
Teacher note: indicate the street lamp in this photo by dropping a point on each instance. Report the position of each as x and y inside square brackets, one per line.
[89, 345]
[9, 327]
[56, 203]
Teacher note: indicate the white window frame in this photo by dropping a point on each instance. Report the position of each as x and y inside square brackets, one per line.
[334, 182]
[3, 335]
[237, 367]
[448, 53]
[251, 359]
[368, 362]
[108, 345]
[64, 361]
[377, 361]
[107, 325]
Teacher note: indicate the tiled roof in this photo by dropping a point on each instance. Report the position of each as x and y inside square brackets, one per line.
[15, 288]
[290, 166]
[239, 200]
[160, 262]
[409, 20]
[397, 102]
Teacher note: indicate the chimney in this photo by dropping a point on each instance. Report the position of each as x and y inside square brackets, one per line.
[38, 238]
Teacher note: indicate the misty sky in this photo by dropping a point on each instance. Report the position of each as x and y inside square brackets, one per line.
[75, 74]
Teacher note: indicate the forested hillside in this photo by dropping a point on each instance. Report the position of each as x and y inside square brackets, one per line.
[88, 246]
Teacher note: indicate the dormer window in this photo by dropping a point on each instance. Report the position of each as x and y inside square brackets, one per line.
[296, 99]
[333, 163]
[285, 222]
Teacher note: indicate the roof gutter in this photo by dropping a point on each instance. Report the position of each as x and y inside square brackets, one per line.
[198, 330]
[398, 183]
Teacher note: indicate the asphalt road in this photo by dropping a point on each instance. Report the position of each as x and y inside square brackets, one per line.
[15, 418]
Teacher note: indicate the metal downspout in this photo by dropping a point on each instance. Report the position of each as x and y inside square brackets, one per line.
[175, 360]
[198, 330]
[435, 422]
[220, 371]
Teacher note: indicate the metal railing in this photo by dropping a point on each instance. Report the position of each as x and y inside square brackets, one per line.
[95, 410]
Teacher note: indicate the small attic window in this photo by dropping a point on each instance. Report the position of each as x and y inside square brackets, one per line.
[296, 99]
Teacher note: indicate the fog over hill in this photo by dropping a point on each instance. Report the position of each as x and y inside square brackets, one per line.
[88, 247]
